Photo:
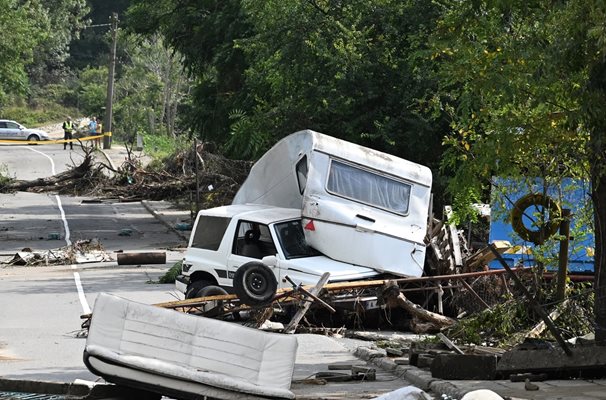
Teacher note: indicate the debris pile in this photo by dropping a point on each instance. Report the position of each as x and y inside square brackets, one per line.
[82, 251]
[218, 177]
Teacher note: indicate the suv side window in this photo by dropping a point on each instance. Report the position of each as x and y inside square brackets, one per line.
[253, 240]
[209, 232]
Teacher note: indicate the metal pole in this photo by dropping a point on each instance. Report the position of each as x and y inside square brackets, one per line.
[563, 264]
[107, 124]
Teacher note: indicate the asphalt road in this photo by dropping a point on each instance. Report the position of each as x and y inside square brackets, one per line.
[40, 307]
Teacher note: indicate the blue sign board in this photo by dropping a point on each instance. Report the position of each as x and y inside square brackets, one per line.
[571, 194]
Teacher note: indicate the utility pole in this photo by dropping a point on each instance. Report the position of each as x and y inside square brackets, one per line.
[107, 124]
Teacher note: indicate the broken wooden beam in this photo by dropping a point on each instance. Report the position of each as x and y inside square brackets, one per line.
[315, 291]
[392, 294]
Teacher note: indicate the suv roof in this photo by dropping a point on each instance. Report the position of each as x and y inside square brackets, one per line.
[258, 212]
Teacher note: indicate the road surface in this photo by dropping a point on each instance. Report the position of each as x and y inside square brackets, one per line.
[40, 307]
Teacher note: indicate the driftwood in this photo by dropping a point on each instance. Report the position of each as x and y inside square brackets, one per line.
[423, 321]
[69, 175]
[539, 328]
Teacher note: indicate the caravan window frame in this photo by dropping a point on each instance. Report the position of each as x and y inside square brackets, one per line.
[373, 172]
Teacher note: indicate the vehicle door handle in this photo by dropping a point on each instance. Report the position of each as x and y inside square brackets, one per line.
[365, 218]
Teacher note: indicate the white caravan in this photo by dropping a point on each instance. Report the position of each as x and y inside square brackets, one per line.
[358, 205]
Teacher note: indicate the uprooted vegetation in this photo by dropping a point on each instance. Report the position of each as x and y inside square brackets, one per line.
[509, 320]
[173, 178]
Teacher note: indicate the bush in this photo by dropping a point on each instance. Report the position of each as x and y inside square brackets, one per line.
[171, 275]
[33, 117]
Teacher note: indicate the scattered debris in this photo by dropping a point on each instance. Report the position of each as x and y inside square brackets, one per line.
[80, 252]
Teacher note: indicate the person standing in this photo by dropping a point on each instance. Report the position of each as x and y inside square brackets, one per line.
[92, 127]
[99, 132]
[68, 131]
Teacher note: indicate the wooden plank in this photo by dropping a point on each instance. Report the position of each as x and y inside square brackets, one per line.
[449, 343]
[292, 325]
[339, 286]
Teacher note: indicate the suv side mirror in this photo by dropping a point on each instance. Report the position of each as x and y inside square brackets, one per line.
[270, 261]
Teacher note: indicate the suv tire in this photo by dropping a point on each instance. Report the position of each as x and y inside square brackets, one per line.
[255, 284]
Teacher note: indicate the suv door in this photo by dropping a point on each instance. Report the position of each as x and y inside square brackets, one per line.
[252, 242]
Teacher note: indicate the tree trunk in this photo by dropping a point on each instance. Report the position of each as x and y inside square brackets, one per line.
[598, 194]
[594, 108]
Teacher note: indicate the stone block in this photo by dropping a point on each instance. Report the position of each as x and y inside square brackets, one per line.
[464, 366]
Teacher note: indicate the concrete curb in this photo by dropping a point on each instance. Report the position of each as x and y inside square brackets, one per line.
[162, 220]
[43, 387]
[416, 376]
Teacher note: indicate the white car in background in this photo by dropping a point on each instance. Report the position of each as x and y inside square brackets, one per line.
[15, 131]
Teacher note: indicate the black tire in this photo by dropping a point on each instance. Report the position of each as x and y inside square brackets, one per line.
[195, 287]
[204, 289]
[255, 284]
[33, 138]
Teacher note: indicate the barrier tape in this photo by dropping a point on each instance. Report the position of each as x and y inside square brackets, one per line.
[59, 141]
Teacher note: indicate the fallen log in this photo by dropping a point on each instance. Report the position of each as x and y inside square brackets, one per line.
[141, 258]
[71, 174]
[423, 320]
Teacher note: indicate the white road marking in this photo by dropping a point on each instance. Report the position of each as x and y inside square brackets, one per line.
[85, 307]
[47, 156]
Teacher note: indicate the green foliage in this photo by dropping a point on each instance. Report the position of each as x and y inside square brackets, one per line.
[161, 147]
[66, 18]
[171, 275]
[263, 70]
[150, 89]
[506, 323]
[511, 90]
[23, 25]
[92, 90]
[33, 117]
[502, 324]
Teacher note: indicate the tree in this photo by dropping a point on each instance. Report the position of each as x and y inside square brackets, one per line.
[345, 69]
[23, 26]
[525, 86]
[66, 19]
[203, 32]
[151, 87]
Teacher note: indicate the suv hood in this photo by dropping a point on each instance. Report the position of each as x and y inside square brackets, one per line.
[339, 271]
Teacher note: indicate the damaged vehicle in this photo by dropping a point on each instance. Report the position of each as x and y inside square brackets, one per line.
[358, 205]
[249, 249]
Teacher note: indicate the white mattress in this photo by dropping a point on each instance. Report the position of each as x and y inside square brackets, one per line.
[152, 340]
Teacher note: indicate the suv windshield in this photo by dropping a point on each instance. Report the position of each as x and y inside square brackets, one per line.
[292, 240]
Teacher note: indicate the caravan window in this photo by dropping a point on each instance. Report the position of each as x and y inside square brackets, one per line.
[302, 174]
[368, 187]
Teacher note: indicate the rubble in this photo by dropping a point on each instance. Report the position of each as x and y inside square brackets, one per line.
[79, 252]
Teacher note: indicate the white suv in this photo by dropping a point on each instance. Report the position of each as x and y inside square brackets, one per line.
[248, 249]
